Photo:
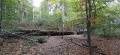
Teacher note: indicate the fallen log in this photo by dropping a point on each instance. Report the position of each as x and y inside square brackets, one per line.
[95, 50]
[15, 35]
[93, 46]
[44, 33]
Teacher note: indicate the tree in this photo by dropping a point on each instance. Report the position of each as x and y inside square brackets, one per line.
[0, 15]
[63, 19]
[89, 27]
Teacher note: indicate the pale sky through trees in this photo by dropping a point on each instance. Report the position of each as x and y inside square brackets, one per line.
[37, 3]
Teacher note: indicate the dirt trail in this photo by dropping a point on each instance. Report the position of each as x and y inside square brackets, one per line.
[57, 46]
[43, 49]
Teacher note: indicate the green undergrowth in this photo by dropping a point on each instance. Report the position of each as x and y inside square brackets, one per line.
[40, 39]
[108, 33]
[1, 44]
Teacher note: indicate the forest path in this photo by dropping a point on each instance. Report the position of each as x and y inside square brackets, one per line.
[57, 46]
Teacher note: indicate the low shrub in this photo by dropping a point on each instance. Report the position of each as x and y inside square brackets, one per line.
[42, 39]
[1, 44]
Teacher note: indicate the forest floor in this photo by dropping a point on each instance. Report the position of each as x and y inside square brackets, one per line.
[57, 46]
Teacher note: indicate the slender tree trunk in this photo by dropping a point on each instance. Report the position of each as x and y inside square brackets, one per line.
[40, 13]
[1, 16]
[33, 15]
[109, 25]
[86, 13]
[89, 26]
[26, 13]
[104, 31]
[21, 4]
[22, 16]
[63, 19]
[84, 29]
[79, 28]
[94, 14]
[5, 10]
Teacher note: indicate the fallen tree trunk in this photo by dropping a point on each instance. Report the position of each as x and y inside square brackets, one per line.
[44, 33]
[95, 50]
[9, 34]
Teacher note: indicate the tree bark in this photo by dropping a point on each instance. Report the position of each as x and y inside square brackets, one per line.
[63, 19]
[88, 16]
[104, 31]
[33, 15]
[94, 14]
[1, 17]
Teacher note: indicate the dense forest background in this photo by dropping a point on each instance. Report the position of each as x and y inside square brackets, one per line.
[21, 14]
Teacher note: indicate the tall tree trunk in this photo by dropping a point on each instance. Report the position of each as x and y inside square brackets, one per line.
[88, 16]
[84, 29]
[26, 13]
[22, 16]
[104, 31]
[5, 10]
[1, 16]
[33, 15]
[40, 13]
[94, 14]
[21, 6]
[79, 27]
[63, 19]
[109, 25]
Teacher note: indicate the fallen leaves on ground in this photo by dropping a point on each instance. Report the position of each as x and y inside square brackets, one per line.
[57, 46]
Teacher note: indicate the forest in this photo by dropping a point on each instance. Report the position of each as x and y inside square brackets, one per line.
[59, 27]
